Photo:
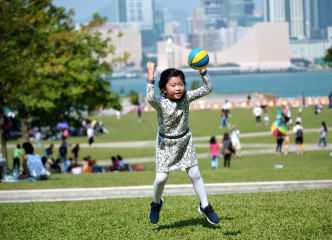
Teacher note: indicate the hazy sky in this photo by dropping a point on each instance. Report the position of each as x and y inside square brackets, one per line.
[85, 8]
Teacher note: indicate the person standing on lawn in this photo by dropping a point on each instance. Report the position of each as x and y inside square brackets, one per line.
[227, 150]
[298, 131]
[174, 148]
[213, 150]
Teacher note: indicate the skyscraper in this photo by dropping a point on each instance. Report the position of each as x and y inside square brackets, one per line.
[220, 13]
[138, 12]
[320, 17]
[291, 11]
[296, 19]
[274, 10]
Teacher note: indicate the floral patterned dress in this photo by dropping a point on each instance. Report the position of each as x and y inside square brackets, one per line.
[174, 148]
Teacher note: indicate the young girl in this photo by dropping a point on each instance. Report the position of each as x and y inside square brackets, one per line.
[214, 151]
[175, 149]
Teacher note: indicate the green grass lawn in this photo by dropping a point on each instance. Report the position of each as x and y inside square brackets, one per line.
[270, 215]
[201, 123]
[274, 215]
[314, 165]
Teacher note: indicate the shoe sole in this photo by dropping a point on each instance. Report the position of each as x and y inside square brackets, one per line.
[159, 212]
[200, 211]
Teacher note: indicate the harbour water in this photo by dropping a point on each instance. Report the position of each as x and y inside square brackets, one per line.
[283, 84]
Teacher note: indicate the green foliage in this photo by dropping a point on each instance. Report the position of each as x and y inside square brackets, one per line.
[328, 56]
[195, 84]
[134, 97]
[50, 69]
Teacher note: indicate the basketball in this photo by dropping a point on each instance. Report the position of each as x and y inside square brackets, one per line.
[198, 59]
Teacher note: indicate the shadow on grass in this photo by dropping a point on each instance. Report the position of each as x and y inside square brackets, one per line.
[189, 222]
[195, 222]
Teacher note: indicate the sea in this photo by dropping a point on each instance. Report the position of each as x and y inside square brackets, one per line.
[280, 84]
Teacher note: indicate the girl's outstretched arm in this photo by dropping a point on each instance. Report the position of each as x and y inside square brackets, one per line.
[151, 98]
[150, 67]
[202, 91]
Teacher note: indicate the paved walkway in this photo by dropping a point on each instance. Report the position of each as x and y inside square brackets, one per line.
[74, 194]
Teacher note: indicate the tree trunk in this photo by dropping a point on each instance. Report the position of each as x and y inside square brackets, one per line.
[24, 123]
[2, 128]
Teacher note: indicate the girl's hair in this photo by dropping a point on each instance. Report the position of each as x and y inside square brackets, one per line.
[119, 157]
[226, 136]
[324, 126]
[28, 148]
[213, 140]
[167, 74]
[18, 146]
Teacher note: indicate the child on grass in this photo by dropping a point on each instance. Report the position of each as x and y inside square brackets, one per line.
[175, 149]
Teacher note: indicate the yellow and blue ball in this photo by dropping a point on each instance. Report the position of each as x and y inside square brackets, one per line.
[198, 59]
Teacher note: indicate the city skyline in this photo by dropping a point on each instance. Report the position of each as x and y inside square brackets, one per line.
[84, 9]
[215, 25]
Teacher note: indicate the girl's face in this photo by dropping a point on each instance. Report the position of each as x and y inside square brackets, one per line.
[174, 88]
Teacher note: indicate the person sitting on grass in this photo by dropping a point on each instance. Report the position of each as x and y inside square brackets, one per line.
[32, 163]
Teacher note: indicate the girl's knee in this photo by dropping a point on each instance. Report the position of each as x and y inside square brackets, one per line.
[161, 178]
[194, 173]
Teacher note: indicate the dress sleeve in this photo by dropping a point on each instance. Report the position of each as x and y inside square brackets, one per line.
[151, 98]
[202, 91]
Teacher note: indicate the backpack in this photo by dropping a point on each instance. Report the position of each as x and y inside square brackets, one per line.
[299, 133]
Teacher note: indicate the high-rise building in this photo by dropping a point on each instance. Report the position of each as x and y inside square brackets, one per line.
[296, 19]
[220, 13]
[320, 17]
[198, 19]
[291, 11]
[274, 11]
[190, 25]
[140, 15]
[137, 11]
[129, 42]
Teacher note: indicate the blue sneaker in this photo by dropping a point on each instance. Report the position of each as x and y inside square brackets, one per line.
[154, 214]
[209, 213]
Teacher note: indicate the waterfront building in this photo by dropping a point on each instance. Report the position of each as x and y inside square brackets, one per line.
[189, 26]
[214, 40]
[140, 13]
[291, 11]
[320, 18]
[219, 13]
[130, 42]
[296, 19]
[309, 49]
[265, 44]
[198, 19]
[136, 11]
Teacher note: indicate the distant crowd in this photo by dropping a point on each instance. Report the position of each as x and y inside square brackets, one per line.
[230, 143]
[36, 167]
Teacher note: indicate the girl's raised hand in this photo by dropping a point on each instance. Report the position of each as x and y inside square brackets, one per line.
[150, 67]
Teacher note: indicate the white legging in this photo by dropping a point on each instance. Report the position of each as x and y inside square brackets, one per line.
[196, 179]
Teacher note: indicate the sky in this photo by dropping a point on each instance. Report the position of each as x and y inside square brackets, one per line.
[84, 9]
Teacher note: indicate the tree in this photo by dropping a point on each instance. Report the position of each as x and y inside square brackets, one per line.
[134, 97]
[328, 56]
[49, 69]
